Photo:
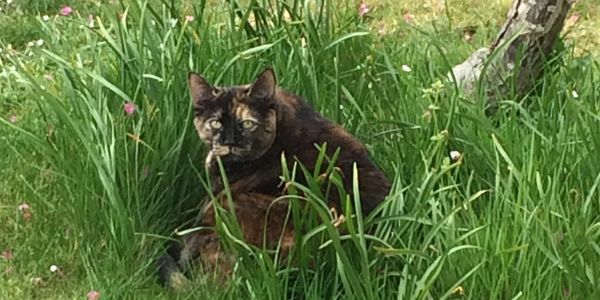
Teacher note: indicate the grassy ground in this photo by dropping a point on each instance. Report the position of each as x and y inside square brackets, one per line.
[96, 192]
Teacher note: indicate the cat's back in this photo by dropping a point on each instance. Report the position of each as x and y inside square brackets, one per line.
[302, 129]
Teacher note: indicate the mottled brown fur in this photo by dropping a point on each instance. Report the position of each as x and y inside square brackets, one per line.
[283, 123]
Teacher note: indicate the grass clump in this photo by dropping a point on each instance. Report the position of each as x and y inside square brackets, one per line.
[511, 213]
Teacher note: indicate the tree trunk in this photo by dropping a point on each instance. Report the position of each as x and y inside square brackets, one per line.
[519, 51]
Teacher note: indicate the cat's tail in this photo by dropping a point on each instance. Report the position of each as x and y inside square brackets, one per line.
[170, 273]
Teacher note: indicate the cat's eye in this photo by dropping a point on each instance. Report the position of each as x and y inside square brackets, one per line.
[214, 124]
[248, 124]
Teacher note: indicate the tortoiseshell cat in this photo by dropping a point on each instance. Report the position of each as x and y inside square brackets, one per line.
[248, 127]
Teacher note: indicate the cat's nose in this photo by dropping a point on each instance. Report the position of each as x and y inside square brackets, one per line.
[228, 140]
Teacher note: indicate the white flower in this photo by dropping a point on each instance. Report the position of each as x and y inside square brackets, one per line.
[406, 68]
[39, 42]
[455, 155]
[173, 22]
[30, 44]
[45, 18]
[9, 1]
[574, 94]
[53, 268]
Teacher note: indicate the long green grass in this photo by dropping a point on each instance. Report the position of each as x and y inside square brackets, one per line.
[512, 214]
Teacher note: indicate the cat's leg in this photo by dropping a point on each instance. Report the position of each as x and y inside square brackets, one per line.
[263, 223]
[169, 272]
[263, 220]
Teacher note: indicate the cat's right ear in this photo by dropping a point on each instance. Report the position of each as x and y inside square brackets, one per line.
[200, 89]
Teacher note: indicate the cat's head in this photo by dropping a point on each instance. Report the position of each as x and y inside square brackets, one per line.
[237, 123]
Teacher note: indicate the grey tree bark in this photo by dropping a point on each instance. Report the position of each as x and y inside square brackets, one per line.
[519, 51]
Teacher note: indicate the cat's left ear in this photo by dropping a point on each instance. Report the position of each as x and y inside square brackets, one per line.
[200, 89]
[265, 85]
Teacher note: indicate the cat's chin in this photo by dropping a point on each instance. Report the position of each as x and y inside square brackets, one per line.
[233, 158]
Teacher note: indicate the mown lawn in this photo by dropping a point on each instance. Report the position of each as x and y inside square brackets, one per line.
[482, 207]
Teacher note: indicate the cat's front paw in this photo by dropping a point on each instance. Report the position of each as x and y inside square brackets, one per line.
[170, 275]
[178, 282]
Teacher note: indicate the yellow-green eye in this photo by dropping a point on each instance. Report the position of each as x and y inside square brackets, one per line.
[248, 124]
[214, 124]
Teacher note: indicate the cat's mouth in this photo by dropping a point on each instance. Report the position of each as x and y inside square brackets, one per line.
[223, 151]
[226, 153]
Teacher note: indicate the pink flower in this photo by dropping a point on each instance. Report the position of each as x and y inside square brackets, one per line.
[93, 295]
[408, 18]
[189, 18]
[13, 119]
[7, 254]
[363, 9]
[66, 11]
[574, 18]
[571, 21]
[129, 108]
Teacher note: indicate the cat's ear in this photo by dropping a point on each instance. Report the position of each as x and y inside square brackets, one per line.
[265, 85]
[200, 89]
